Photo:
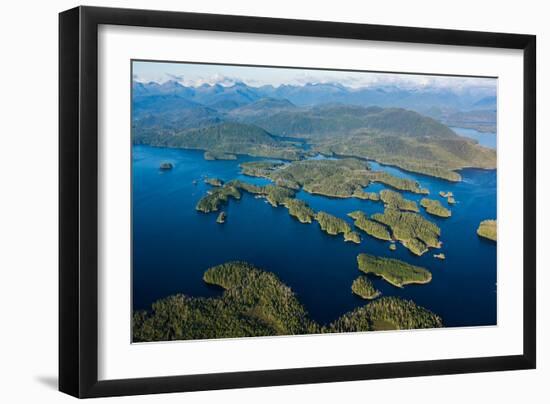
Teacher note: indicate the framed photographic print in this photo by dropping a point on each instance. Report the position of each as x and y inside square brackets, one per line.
[249, 201]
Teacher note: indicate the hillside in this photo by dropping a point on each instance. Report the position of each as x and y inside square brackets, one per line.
[262, 106]
[228, 137]
[239, 119]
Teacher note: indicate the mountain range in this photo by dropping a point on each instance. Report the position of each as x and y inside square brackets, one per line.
[272, 122]
[239, 94]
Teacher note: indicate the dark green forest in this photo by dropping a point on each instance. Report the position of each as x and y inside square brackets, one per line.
[256, 303]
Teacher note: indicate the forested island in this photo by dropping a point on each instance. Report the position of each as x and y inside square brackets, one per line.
[299, 209]
[333, 225]
[396, 272]
[395, 200]
[342, 178]
[217, 197]
[400, 220]
[364, 288]
[215, 182]
[370, 227]
[488, 229]
[309, 147]
[412, 230]
[257, 303]
[277, 196]
[434, 207]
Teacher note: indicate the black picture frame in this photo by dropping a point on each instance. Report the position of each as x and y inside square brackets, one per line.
[78, 201]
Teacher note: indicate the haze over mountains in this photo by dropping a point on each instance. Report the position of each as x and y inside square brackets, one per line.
[391, 124]
[238, 94]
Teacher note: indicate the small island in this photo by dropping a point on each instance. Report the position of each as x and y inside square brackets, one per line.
[440, 256]
[396, 272]
[488, 230]
[216, 197]
[215, 182]
[393, 247]
[213, 155]
[256, 303]
[395, 200]
[434, 207]
[364, 288]
[333, 225]
[449, 196]
[165, 165]
[276, 196]
[411, 229]
[401, 184]
[221, 217]
[370, 227]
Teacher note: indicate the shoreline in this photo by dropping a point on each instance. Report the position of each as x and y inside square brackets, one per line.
[404, 283]
[334, 155]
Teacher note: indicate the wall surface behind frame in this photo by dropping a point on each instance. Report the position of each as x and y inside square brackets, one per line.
[28, 207]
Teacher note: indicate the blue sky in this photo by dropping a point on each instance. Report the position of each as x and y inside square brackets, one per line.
[197, 74]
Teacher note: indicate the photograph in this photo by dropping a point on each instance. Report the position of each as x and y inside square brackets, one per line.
[276, 201]
[266, 203]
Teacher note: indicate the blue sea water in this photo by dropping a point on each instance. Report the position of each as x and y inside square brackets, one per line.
[487, 139]
[173, 244]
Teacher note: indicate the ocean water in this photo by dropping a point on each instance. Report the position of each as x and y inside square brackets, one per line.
[173, 244]
[487, 139]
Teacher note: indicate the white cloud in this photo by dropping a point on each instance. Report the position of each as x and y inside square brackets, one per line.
[196, 74]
